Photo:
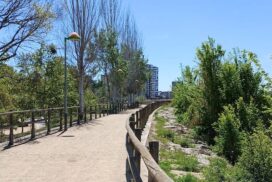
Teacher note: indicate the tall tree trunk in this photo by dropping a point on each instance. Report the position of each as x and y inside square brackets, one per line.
[81, 75]
[108, 86]
[83, 17]
[81, 94]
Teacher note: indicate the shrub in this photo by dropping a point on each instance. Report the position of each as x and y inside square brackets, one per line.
[217, 170]
[187, 178]
[256, 158]
[183, 141]
[179, 160]
[228, 141]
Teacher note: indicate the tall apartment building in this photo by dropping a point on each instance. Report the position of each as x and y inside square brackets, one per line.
[174, 83]
[152, 84]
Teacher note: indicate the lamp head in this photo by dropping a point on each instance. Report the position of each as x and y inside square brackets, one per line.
[74, 36]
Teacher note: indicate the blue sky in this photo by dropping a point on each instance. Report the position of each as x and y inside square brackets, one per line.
[173, 29]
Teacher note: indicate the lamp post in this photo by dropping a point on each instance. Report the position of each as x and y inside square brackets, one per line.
[73, 37]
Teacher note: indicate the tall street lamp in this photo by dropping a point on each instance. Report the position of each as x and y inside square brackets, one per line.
[73, 37]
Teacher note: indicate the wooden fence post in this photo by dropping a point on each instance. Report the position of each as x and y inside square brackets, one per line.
[111, 109]
[78, 116]
[60, 121]
[95, 115]
[138, 133]
[154, 150]
[11, 136]
[85, 114]
[22, 121]
[137, 120]
[32, 125]
[132, 122]
[48, 121]
[115, 108]
[71, 117]
[99, 108]
[91, 113]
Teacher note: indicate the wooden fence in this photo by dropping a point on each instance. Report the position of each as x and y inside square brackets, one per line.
[28, 124]
[137, 151]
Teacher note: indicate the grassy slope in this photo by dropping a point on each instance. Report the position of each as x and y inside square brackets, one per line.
[174, 160]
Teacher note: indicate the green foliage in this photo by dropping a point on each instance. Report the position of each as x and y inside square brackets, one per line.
[7, 88]
[183, 141]
[187, 178]
[42, 80]
[230, 84]
[163, 134]
[187, 98]
[200, 96]
[119, 70]
[167, 134]
[38, 81]
[210, 56]
[248, 114]
[227, 102]
[228, 141]
[178, 160]
[256, 158]
[90, 98]
[218, 170]
[250, 81]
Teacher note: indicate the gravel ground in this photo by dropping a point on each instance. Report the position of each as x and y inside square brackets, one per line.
[91, 152]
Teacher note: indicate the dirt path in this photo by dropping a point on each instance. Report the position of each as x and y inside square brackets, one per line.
[91, 152]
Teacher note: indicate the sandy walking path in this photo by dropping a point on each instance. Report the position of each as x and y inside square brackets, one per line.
[93, 152]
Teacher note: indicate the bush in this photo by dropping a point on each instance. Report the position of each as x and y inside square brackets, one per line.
[247, 114]
[179, 160]
[187, 178]
[256, 158]
[183, 141]
[228, 141]
[168, 134]
[217, 171]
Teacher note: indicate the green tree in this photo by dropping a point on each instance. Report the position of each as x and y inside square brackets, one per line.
[250, 81]
[210, 56]
[230, 84]
[108, 57]
[7, 87]
[187, 98]
[248, 115]
[41, 80]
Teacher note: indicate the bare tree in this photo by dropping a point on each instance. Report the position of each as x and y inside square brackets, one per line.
[130, 38]
[110, 11]
[22, 21]
[83, 18]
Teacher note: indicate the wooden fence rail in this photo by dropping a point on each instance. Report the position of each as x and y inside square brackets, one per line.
[27, 124]
[137, 151]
